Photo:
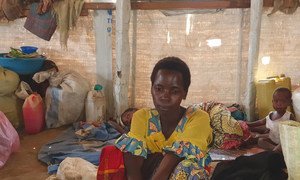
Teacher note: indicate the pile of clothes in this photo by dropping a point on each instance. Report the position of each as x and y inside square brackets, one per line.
[228, 132]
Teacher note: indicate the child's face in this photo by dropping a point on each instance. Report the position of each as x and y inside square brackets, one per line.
[281, 101]
[126, 118]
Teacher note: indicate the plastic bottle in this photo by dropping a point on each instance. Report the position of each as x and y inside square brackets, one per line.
[95, 105]
[33, 114]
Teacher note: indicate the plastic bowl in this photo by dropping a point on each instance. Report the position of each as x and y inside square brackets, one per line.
[22, 66]
[28, 49]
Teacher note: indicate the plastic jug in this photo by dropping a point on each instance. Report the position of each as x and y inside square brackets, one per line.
[95, 105]
[33, 114]
[264, 93]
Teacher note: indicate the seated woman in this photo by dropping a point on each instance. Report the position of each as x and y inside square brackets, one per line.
[169, 141]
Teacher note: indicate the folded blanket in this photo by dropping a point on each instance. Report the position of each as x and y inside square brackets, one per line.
[68, 144]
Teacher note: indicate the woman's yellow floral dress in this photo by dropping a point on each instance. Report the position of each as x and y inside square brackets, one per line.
[190, 140]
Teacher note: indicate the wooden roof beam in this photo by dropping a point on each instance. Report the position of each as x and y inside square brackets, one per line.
[201, 4]
[164, 5]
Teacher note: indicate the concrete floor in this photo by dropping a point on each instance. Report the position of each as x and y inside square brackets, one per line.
[24, 165]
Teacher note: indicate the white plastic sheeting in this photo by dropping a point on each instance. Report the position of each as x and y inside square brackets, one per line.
[212, 48]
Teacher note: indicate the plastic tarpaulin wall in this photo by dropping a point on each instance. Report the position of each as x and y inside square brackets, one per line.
[208, 42]
[214, 70]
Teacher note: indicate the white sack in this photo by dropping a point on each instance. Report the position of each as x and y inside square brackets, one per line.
[65, 98]
[76, 168]
[289, 139]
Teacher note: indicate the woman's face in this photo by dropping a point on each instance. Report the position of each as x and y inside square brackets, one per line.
[167, 90]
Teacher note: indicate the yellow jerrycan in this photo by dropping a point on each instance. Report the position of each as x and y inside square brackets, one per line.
[264, 93]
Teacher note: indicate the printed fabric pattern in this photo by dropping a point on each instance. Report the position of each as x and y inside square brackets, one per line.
[196, 163]
[228, 133]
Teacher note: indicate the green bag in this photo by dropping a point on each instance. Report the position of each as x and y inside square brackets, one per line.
[11, 106]
[9, 81]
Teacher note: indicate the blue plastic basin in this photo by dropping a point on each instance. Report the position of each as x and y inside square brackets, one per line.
[28, 49]
[22, 66]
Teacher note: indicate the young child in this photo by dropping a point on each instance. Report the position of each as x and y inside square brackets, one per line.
[123, 125]
[268, 127]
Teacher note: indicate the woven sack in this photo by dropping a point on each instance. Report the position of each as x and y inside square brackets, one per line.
[290, 143]
[9, 81]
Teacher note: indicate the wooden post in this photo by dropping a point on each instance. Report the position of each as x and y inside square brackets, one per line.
[103, 30]
[254, 37]
[133, 57]
[122, 71]
[239, 59]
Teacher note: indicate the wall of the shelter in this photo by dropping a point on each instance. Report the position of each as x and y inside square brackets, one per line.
[280, 39]
[214, 70]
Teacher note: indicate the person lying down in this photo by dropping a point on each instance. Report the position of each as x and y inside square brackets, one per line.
[122, 126]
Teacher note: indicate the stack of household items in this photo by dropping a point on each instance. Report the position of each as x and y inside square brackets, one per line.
[34, 95]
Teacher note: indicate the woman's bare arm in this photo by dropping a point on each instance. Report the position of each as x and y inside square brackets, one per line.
[133, 166]
[166, 166]
[117, 127]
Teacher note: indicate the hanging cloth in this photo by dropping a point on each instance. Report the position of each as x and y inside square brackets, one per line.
[285, 6]
[11, 9]
[42, 25]
[67, 13]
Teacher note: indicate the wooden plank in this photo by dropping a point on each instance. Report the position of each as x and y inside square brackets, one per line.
[180, 5]
[203, 4]
[268, 3]
[246, 3]
[98, 6]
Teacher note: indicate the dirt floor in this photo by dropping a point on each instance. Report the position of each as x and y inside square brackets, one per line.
[24, 165]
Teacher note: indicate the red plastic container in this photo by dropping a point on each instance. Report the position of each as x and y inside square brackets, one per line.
[33, 114]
